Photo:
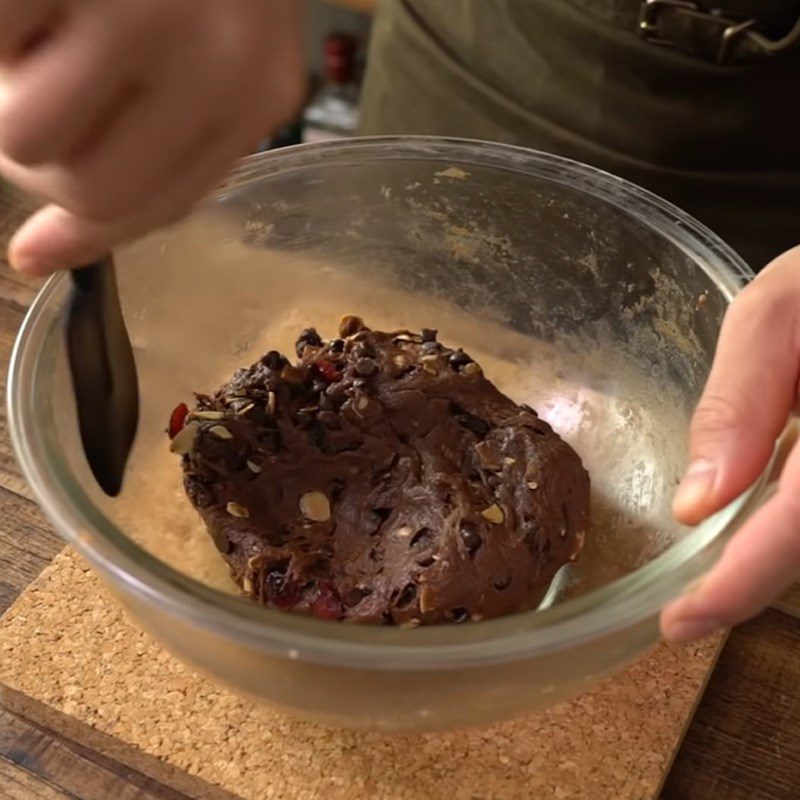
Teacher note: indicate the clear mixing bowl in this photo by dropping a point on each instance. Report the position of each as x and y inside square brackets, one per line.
[587, 297]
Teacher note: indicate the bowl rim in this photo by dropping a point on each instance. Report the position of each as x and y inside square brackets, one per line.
[621, 604]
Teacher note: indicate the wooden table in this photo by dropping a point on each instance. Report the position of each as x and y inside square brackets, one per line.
[744, 741]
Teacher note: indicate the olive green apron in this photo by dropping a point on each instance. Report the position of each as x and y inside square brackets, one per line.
[573, 77]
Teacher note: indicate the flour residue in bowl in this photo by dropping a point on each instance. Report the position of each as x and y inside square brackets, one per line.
[628, 430]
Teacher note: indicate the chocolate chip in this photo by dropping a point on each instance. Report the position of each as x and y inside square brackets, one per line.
[407, 595]
[337, 346]
[359, 383]
[459, 359]
[319, 386]
[422, 538]
[366, 367]
[428, 561]
[382, 513]
[308, 337]
[428, 335]
[475, 424]
[274, 361]
[460, 614]
[430, 347]
[471, 538]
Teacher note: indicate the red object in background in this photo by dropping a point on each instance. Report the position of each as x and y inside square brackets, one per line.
[340, 51]
[333, 112]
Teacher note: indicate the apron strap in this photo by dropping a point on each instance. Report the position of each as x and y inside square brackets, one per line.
[711, 33]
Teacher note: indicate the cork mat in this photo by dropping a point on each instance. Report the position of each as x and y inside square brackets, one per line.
[70, 660]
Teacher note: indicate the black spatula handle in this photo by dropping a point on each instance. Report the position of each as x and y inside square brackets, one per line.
[103, 373]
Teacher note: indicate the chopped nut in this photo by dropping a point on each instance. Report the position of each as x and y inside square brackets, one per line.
[411, 623]
[315, 506]
[207, 415]
[494, 514]
[403, 337]
[471, 369]
[270, 403]
[246, 408]
[508, 461]
[220, 431]
[426, 599]
[362, 402]
[430, 364]
[580, 538]
[486, 455]
[184, 440]
[237, 510]
[399, 361]
[404, 532]
[292, 375]
[533, 485]
[253, 467]
[350, 325]
[247, 585]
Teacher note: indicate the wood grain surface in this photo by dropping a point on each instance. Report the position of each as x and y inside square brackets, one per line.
[744, 741]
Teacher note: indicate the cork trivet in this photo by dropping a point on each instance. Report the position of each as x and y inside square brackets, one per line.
[69, 659]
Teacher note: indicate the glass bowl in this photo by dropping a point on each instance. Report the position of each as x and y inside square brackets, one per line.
[583, 295]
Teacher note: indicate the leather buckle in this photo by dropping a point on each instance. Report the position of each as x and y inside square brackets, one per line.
[720, 32]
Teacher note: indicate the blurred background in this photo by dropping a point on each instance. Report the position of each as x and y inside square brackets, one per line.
[338, 33]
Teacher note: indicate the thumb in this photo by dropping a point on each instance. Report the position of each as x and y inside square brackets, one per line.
[748, 396]
[54, 238]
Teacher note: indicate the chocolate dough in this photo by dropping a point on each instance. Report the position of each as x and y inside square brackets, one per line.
[381, 478]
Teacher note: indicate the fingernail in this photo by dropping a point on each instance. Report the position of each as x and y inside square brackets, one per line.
[688, 629]
[696, 483]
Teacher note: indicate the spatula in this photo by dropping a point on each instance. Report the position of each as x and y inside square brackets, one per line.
[103, 373]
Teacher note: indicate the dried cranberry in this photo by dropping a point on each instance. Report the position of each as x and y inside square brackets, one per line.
[327, 604]
[328, 370]
[282, 592]
[177, 419]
